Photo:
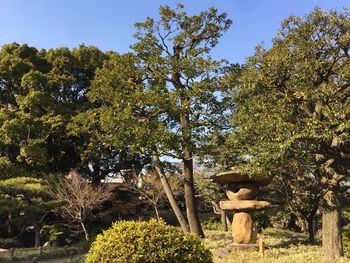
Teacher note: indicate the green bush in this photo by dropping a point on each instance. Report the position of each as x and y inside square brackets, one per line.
[152, 241]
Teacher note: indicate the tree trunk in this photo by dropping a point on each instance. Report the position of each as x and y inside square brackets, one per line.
[310, 223]
[156, 211]
[36, 227]
[169, 193]
[9, 229]
[311, 230]
[84, 230]
[223, 220]
[331, 226]
[190, 199]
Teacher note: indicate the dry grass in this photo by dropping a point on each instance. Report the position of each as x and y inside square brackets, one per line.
[282, 246]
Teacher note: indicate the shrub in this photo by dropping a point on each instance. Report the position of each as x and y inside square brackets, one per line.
[152, 241]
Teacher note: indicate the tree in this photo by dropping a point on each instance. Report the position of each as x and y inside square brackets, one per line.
[293, 103]
[175, 51]
[40, 92]
[27, 199]
[78, 199]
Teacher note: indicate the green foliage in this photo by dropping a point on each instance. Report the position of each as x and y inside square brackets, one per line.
[261, 219]
[346, 241]
[292, 108]
[293, 99]
[26, 200]
[41, 91]
[141, 103]
[152, 241]
[164, 96]
[25, 195]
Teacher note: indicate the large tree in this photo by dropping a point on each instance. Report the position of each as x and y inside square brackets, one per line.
[175, 51]
[164, 99]
[39, 92]
[293, 102]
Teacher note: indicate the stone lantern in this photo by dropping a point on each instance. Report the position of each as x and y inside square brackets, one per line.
[242, 192]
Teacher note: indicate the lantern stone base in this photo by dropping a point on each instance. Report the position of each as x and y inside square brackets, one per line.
[243, 229]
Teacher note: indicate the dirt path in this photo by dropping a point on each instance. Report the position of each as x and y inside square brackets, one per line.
[63, 259]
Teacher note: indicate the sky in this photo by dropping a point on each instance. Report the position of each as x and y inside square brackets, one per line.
[109, 24]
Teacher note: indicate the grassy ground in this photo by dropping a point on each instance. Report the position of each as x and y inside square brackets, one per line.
[282, 246]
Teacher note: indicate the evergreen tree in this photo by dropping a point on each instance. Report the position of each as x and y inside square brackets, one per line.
[293, 104]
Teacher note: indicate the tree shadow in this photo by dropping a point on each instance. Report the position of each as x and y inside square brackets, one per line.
[287, 239]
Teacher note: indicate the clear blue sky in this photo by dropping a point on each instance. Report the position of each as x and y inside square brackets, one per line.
[108, 24]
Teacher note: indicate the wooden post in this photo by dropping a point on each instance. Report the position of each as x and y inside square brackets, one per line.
[40, 251]
[12, 251]
[71, 255]
[261, 247]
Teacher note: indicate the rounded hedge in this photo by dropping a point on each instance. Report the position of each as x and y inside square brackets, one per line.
[152, 241]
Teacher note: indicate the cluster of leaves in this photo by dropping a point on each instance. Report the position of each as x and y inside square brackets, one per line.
[152, 241]
[40, 94]
[292, 99]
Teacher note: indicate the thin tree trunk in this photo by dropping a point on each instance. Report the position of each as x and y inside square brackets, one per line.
[9, 229]
[310, 223]
[36, 227]
[310, 230]
[168, 191]
[190, 199]
[331, 226]
[157, 211]
[84, 230]
[223, 220]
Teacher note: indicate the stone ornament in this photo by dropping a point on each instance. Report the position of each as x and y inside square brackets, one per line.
[242, 191]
